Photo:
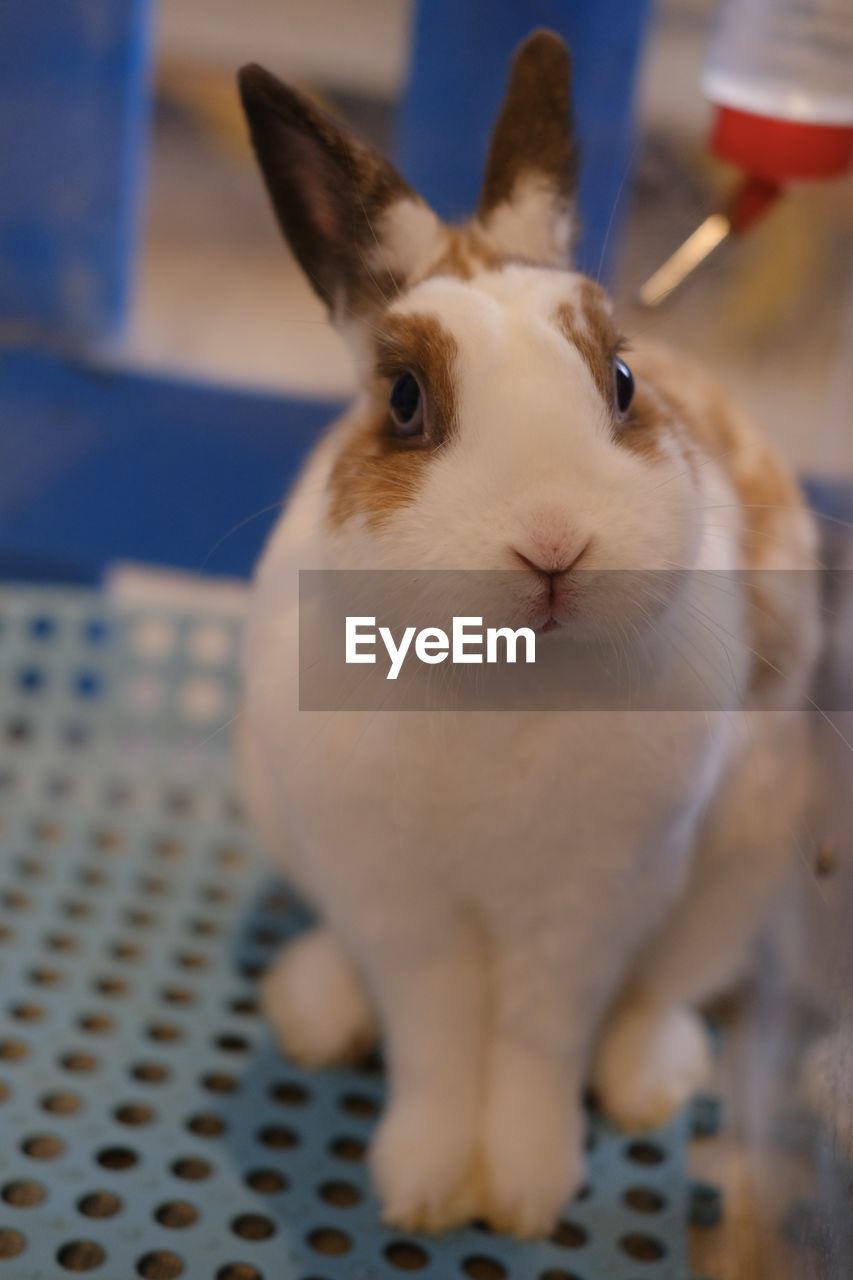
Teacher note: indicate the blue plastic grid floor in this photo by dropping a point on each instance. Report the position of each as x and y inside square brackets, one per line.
[148, 1125]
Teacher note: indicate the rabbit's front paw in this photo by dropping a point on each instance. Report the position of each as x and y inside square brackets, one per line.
[649, 1063]
[425, 1167]
[316, 1003]
[533, 1161]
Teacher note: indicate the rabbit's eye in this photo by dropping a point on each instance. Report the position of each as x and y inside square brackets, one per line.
[407, 406]
[624, 381]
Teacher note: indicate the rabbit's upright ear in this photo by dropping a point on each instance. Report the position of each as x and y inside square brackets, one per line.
[355, 226]
[527, 201]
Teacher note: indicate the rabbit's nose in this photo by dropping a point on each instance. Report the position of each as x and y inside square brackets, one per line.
[550, 566]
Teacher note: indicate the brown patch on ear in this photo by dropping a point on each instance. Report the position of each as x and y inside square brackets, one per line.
[533, 133]
[376, 473]
[327, 189]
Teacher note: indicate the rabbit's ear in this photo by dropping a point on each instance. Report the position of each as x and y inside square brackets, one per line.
[355, 226]
[527, 201]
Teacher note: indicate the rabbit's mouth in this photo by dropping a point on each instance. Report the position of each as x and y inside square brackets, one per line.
[556, 606]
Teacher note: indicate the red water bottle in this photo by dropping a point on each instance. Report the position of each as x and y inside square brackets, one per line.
[780, 76]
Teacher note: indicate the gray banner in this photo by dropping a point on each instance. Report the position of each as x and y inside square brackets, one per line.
[658, 641]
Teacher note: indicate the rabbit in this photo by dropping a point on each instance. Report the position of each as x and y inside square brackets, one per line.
[522, 903]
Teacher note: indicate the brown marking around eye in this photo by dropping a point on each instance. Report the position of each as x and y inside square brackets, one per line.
[588, 327]
[420, 344]
[649, 425]
[375, 473]
[371, 477]
[652, 420]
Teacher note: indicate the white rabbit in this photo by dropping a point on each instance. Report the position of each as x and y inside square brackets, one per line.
[520, 901]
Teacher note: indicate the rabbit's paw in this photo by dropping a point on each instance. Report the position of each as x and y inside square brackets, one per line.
[425, 1168]
[316, 1003]
[533, 1165]
[649, 1063]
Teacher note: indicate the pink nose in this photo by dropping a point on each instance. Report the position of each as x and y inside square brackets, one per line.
[550, 564]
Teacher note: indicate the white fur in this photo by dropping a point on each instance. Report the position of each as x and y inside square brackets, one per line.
[409, 236]
[316, 1004]
[534, 223]
[648, 1064]
[495, 877]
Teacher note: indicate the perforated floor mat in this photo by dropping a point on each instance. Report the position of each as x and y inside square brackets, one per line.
[148, 1127]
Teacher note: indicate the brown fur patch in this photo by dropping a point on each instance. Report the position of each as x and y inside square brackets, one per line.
[772, 503]
[589, 328]
[420, 344]
[371, 478]
[375, 472]
[776, 531]
[652, 418]
[467, 251]
[769, 494]
[533, 133]
[650, 423]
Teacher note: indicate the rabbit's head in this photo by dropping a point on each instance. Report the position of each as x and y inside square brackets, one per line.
[498, 425]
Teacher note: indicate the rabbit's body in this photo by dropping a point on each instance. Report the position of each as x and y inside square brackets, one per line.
[522, 898]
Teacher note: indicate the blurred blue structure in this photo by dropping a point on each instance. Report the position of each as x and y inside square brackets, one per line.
[97, 463]
[74, 111]
[459, 70]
